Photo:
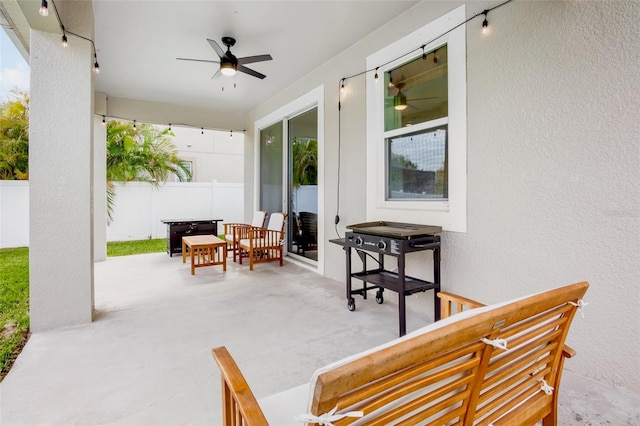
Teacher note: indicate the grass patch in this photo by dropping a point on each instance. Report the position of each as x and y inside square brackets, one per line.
[14, 305]
[126, 248]
[14, 293]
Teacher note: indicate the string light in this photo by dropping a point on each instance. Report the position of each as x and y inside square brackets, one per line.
[135, 125]
[485, 23]
[485, 28]
[44, 9]
[104, 120]
[375, 77]
[342, 86]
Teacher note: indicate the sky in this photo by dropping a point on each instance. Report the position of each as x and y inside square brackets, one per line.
[14, 71]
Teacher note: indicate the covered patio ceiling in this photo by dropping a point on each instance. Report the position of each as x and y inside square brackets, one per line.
[138, 42]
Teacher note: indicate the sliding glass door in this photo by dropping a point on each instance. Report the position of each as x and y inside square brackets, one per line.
[288, 179]
[302, 184]
[271, 168]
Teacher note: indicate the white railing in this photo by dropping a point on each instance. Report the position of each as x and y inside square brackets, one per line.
[139, 208]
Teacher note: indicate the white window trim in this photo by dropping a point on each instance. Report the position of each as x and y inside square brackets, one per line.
[311, 99]
[452, 213]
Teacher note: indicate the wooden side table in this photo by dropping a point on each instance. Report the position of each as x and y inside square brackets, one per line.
[205, 250]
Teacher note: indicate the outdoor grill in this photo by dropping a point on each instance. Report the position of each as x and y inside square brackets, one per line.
[391, 239]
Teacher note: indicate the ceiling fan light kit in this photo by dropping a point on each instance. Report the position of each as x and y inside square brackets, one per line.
[229, 63]
[400, 101]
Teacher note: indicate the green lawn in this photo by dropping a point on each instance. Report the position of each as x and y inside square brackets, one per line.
[14, 293]
[126, 248]
[14, 304]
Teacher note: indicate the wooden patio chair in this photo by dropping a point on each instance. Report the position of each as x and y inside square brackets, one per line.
[309, 226]
[232, 237]
[264, 244]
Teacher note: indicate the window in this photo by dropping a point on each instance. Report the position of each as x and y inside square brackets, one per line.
[416, 128]
[416, 95]
[417, 165]
[181, 176]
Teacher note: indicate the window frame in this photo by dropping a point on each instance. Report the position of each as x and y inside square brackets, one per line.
[450, 213]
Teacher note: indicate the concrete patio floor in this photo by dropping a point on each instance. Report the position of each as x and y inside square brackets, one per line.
[146, 360]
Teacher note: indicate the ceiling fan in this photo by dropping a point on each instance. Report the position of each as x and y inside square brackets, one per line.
[400, 100]
[229, 63]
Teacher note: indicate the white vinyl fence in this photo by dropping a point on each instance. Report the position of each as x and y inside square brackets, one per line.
[139, 208]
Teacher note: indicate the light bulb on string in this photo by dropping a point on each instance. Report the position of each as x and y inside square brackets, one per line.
[231, 135]
[134, 124]
[342, 86]
[435, 58]
[104, 120]
[202, 130]
[485, 23]
[44, 9]
[375, 77]
[64, 40]
[424, 54]
[169, 126]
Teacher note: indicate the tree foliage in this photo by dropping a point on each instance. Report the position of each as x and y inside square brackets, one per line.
[305, 162]
[14, 137]
[141, 153]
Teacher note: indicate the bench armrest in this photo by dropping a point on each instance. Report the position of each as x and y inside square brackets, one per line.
[239, 405]
[449, 300]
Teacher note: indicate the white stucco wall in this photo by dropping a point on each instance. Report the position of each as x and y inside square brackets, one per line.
[215, 154]
[61, 183]
[553, 163]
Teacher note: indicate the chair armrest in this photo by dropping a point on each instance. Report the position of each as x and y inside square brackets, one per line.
[568, 352]
[449, 300]
[237, 397]
[229, 227]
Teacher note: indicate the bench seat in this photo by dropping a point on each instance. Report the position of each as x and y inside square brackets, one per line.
[492, 365]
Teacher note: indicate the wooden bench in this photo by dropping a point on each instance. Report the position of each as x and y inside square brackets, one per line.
[452, 372]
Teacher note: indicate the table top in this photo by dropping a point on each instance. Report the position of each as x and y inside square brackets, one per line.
[174, 221]
[202, 240]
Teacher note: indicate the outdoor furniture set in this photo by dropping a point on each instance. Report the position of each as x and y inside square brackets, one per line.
[255, 241]
[486, 365]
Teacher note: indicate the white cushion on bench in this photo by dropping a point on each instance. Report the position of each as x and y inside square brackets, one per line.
[281, 408]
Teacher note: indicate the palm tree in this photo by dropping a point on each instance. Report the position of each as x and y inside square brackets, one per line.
[140, 152]
[14, 137]
[305, 162]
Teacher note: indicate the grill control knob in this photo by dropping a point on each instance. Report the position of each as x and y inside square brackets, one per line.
[382, 245]
[359, 241]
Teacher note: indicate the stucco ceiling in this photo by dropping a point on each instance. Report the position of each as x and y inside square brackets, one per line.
[138, 43]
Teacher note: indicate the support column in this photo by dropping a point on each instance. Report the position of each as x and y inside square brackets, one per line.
[61, 182]
[99, 178]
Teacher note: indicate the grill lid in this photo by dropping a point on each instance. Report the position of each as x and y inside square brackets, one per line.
[395, 229]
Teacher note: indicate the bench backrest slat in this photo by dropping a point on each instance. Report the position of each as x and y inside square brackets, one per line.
[448, 376]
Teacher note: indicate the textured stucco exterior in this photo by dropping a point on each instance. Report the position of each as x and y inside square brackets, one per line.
[60, 178]
[553, 163]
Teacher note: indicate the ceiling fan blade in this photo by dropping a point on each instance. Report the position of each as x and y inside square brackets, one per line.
[423, 99]
[216, 47]
[252, 59]
[217, 74]
[198, 60]
[250, 72]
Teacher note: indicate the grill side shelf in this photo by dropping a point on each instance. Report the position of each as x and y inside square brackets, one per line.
[389, 280]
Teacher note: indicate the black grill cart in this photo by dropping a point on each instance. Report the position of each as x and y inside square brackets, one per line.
[391, 239]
